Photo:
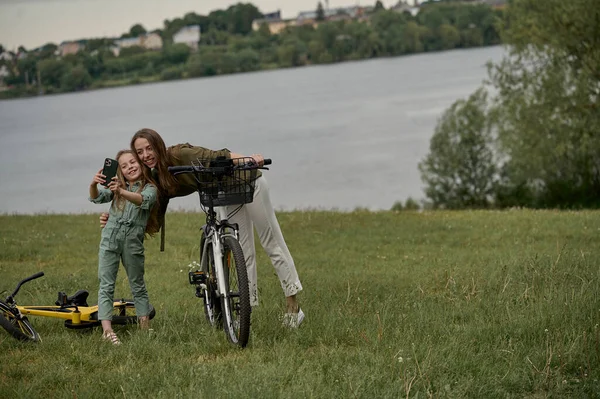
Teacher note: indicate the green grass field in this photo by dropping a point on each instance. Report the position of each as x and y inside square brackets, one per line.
[471, 304]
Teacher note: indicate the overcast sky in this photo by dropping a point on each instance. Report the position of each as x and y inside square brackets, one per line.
[32, 23]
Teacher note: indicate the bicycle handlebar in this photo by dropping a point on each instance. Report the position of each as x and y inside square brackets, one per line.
[33, 277]
[175, 170]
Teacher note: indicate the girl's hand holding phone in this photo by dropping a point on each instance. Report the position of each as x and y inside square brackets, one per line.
[99, 178]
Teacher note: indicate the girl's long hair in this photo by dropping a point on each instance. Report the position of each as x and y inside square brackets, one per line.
[118, 202]
[167, 184]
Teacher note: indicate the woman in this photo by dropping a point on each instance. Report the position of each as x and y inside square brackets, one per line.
[152, 151]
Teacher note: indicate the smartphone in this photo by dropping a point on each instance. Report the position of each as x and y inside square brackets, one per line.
[109, 170]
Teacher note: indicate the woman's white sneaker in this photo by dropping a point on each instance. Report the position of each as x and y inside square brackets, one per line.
[293, 320]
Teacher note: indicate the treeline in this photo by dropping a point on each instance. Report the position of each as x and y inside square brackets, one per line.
[229, 45]
[534, 142]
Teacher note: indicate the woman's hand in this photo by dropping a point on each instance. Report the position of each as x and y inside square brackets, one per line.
[99, 178]
[259, 159]
[103, 219]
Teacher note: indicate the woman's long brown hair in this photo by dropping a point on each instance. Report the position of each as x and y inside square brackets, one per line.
[166, 181]
[118, 202]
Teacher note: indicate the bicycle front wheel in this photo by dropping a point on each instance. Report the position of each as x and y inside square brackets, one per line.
[236, 305]
[16, 325]
[212, 306]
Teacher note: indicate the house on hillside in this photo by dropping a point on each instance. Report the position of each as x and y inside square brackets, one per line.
[70, 47]
[125, 43]
[189, 35]
[403, 6]
[4, 72]
[274, 21]
[151, 41]
[334, 14]
[6, 56]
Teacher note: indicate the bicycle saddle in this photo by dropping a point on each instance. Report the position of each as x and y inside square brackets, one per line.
[79, 299]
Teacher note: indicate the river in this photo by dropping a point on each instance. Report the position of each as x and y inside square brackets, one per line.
[341, 136]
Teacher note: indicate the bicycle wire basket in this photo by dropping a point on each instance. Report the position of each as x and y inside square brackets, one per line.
[224, 185]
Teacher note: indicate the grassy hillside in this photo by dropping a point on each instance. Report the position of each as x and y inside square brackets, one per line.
[433, 304]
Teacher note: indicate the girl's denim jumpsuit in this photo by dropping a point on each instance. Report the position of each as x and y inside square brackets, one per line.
[123, 239]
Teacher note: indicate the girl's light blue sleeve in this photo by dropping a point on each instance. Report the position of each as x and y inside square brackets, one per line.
[149, 194]
[104, 196]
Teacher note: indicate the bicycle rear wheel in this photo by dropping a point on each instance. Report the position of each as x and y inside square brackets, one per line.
[236, 307]
[16, 325]
[212, 305]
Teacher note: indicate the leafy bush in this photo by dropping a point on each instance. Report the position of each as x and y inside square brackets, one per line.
[411, 205]
[171, 73]
[77, 78]
[460, 170]
[397, 207]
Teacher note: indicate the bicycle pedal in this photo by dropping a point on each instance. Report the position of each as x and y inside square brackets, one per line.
[197, 277]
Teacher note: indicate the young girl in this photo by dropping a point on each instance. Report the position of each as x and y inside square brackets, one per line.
[132, 215]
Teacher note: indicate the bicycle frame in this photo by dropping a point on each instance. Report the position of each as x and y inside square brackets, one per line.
[213, 231]
[77, 314]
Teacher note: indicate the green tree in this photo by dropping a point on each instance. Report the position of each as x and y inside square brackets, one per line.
[412, 41]
[264, 30]
[248, 60]
[52, 71]
[240, 17]
[194, 67]
[320, 12]
[292, 52]
[48, 50]
[378, 6]
[449, 36]
[389, 26]
[94, 64]
[136, 30]
[228, 63]
[315, 50]
[77, 78]
[471, 37]
[204, 63]
[27, 68]
[215, 37]
[460, 170]
[177, 53]
[327, 34]
[129, 51]
[548, 102]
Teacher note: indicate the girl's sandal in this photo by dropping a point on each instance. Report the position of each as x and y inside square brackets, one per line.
[111, 337]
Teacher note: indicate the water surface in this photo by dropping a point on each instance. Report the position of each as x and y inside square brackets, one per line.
[341, 136]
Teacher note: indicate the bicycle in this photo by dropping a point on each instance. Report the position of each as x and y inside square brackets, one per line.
[222, 280]
[75, 311]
